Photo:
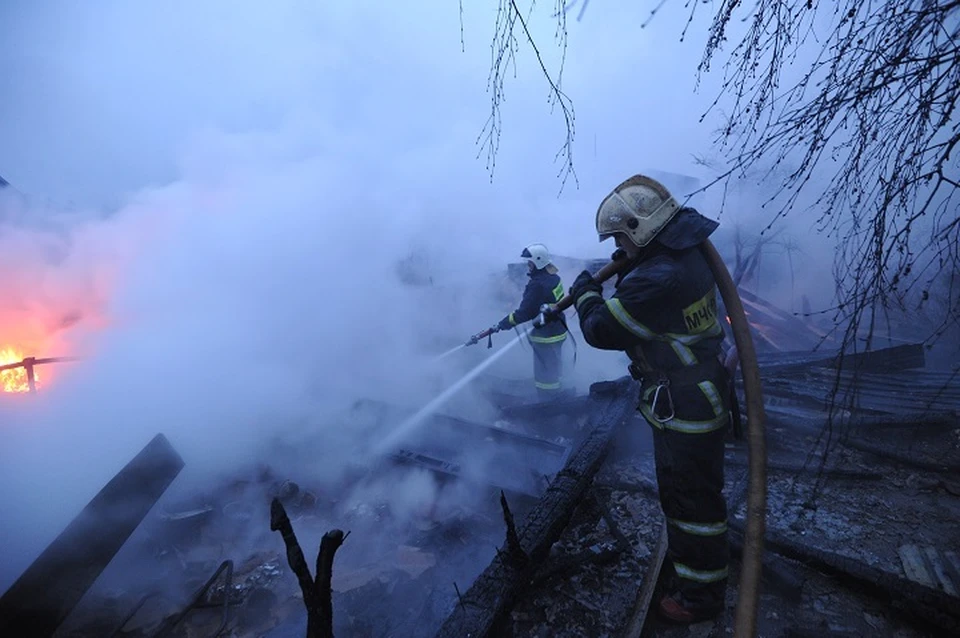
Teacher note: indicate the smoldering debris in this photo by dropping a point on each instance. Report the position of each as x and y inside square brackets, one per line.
[428, 525]
[191, 569]
[200, 563]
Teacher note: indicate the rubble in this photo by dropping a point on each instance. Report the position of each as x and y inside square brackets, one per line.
[593, 583]
[495, 590]
[861, 541]
[450, 447]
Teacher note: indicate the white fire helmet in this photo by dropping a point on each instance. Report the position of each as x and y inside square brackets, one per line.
[639, 208]
[538, 255]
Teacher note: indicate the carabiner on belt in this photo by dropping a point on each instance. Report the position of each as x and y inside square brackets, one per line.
[662, 385]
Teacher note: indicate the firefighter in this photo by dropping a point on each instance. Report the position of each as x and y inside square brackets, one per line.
[664, 316]
[544, 287]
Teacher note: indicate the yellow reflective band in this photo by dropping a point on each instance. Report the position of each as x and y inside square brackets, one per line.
[682, 425]
[512, 320]
[713, 331]
[558, 291]
[699, 575]
[684, 353]
[713, 396]
[586, 295]
[547, 386]
[699, 529]
[632, 325]
[555, 339]
[678, 342]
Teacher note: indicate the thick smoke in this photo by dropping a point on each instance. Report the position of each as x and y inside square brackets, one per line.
[254, 290]
[239, 184]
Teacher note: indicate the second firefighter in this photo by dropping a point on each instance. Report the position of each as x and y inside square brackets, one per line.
[544, 287]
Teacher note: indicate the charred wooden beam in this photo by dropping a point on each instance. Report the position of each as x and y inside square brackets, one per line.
[813, 469]
[948, 419]
[907, 460]
[880, 394]
[641, 604]
[34, 361]
[45, 594]
[445, 444]
[924, 606]
[497, 588]
[546, 409]
[883, 360]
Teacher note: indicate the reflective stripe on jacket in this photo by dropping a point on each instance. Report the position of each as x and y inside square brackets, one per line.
[664, 314]
[543, 288]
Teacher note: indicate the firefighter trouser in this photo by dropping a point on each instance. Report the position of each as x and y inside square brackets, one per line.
[547, 368]
[689, 452]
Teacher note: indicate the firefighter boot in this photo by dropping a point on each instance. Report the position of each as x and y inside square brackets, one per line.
[681, 610]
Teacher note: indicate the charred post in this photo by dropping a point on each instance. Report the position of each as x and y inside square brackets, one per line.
[515, 554]
[329, 545]
[317, 594]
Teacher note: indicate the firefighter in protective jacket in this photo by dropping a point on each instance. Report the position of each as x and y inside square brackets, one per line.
[544, 287]
[664, 316]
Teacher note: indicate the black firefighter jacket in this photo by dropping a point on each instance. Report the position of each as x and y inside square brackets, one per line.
[664, 315]
[543, 288]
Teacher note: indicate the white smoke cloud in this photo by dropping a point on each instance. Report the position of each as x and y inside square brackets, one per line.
[255, 174]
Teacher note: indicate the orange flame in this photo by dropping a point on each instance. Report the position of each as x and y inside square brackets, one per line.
[14, 380]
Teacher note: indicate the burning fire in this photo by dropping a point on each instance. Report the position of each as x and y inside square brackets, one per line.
[14, 380]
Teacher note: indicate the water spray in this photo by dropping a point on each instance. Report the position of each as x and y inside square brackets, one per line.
[549, 312]
[475, 339]
[412, 423]
[448, 353]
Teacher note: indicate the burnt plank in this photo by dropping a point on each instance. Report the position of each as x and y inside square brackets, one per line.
[496, 589]
[513, 461]
[883, 360]
[546, 409]
[45, 594]
[924, 606]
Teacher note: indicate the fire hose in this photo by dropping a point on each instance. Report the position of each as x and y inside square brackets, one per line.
[745, 623]
[480, 336]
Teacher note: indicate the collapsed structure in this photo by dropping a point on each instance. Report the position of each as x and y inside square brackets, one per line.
[563, 535]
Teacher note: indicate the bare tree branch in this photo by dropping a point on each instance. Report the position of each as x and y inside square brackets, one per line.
[503, 56]
[864, 143]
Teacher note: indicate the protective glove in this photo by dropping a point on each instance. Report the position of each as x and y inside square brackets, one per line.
[548, 313]
[504, 324]
[583, 284]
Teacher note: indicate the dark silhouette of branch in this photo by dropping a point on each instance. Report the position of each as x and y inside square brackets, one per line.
[873, 117]
[864, 144]
[317, 594]
[503, 56]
